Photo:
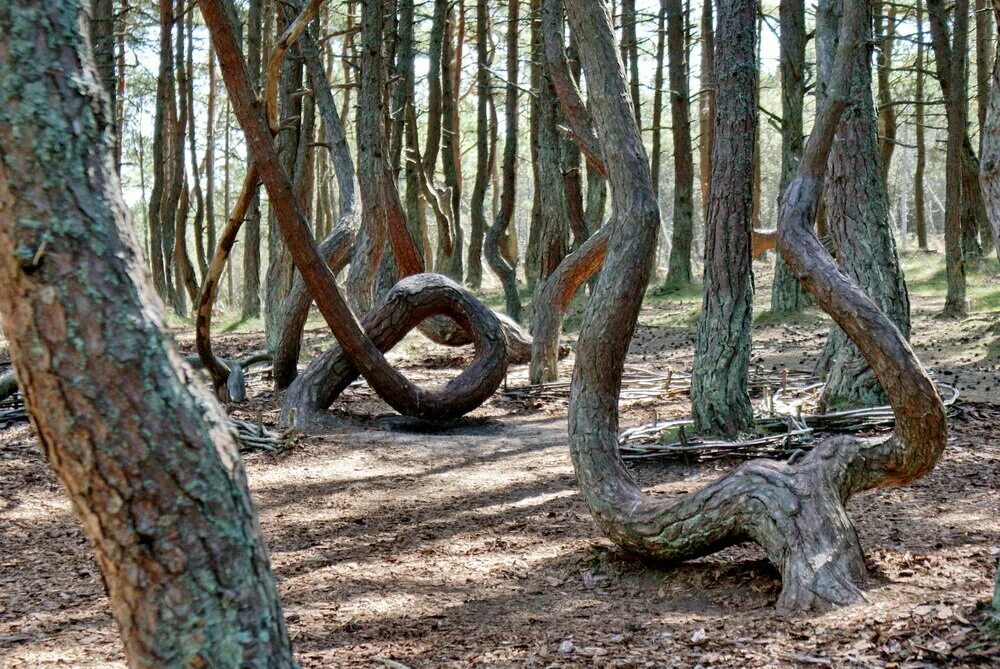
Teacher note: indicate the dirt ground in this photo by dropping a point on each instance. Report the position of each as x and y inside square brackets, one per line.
[469, 545]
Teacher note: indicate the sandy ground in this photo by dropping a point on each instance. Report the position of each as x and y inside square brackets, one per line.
[469, 545]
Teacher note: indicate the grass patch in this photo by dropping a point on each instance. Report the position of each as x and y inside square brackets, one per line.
[926, 276]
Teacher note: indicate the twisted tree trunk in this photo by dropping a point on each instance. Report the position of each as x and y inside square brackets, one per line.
[796, 509]
[463, 394]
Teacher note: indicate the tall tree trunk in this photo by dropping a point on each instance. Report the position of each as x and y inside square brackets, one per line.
[187, 283]
[679, 264]
[706, 105]
[210, 154]
[505, 270]
[885, 35]
[199, 195]
[990, 172]
[630, 56]
[786, 292]
[250, 301]
[656, 149]
[478, 213]
[280, 270]
[919, 203]
[103, 38]
[719, 398]
[450, 263]
[952, 61]
[145, 458]
[972, 216]
[984, 62]
[159, 157]
[857, 210]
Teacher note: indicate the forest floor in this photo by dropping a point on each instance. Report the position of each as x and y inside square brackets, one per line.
[469, 545]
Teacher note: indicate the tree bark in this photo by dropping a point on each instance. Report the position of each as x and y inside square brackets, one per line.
[679, 263]
[951, 70]
[885, 34]
[630, 56]
[857, 210]
[706, 105]
[795, 509]
[719, 398]
[478, 213]
[786, 291]
[919, 204]
[989, 175]
[507, 271]
[145, 459]
[251, 240]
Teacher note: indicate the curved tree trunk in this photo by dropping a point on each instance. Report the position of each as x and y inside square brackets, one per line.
[164, 499]
[719, 399]
[795, 509]
[487, 369]
[337, 246]
[857, 210]
[786, 292]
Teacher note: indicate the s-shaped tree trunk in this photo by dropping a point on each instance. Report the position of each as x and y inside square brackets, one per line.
[795, 510]
[145, 457]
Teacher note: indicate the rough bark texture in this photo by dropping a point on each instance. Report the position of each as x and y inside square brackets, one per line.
[795, 510]
[857, 210]
[507, 271]
[656, 132]
[989, 174]
[147, 462]
[786, 291]
[719, 398]
[679, 264]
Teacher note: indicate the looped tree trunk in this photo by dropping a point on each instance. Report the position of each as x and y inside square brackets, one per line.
[459, 397]
[794, 509]
[410, 302]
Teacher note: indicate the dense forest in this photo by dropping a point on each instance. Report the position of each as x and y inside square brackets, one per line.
[513, 333]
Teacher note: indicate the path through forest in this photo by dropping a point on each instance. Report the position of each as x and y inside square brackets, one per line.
[469, 546]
